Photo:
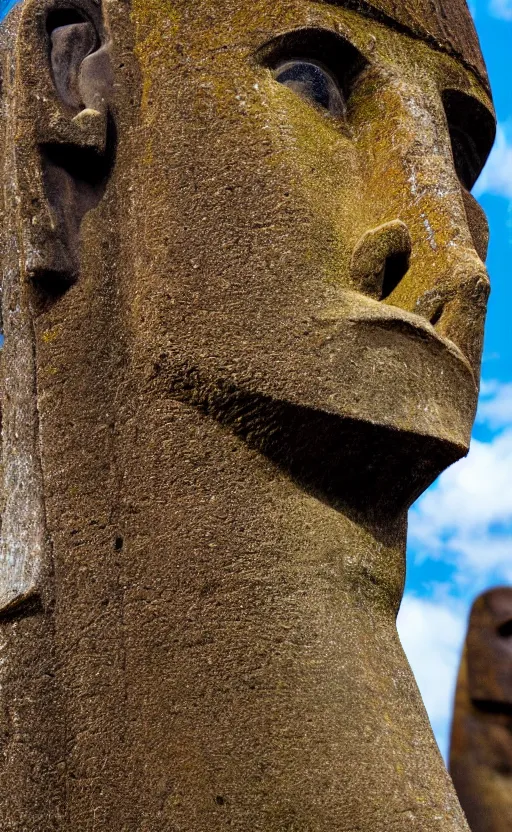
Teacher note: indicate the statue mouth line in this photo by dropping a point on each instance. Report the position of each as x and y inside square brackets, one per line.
[316, 447]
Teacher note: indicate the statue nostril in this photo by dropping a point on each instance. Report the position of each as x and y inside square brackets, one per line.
[396, 267]
[436, 316]
[432, 304]
[381, 259]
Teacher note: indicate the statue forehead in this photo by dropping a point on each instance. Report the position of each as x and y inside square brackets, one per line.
[445, 25]
[491, 609]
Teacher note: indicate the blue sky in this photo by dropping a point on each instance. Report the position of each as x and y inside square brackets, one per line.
[460, 534]
[460, 537]
[5, 6]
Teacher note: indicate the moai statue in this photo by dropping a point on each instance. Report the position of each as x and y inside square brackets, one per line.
[243, 301]
[481, 742]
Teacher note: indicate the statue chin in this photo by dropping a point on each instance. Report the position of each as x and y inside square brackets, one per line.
[365, 409]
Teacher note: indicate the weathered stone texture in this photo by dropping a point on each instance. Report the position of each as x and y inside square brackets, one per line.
[242, 335]
[446, 24]
[481, 742]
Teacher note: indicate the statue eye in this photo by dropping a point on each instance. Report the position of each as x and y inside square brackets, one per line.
[505, 629]
[472, 132]
[313, 82]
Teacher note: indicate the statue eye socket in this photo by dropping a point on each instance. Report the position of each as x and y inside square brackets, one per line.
[472, 131]
[468, 163]
[314, 83]
[505, 629]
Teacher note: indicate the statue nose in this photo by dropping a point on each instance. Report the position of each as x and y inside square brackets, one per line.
[456, 301]
[465, 283]
[457, 306]
[381, 259]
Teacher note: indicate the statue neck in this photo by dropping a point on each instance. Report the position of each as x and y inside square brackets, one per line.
[235, 512]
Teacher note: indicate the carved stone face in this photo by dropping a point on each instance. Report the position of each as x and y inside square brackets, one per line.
[481, 747]
[294, 212]
[489, 651]
[257, 223]
[320, 244]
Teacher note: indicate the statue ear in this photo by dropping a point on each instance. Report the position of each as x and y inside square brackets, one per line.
[80, 62]
[69, 136]
[71, 44]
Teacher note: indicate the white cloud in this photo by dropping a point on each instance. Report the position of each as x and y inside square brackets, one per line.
[462, 525]
[495, 408]
[432, 634]
[467, 517]
[497, 175]
[501, 9]
[488, 387]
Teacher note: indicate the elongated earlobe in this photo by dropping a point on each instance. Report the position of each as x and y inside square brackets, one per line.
[70, 46]
[74, 135]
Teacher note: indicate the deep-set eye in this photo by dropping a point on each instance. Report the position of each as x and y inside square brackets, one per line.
[312, 82]
[472, 131]
[319, 65]
[505, 629]
[468, 162]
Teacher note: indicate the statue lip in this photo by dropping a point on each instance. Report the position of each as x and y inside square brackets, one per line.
[414, 325]
[366, 312]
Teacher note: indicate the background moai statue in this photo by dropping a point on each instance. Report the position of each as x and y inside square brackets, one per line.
[481, 742]
[243, 305]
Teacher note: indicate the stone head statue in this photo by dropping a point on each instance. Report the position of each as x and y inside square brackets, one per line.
[481, 744]
[243, 300]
